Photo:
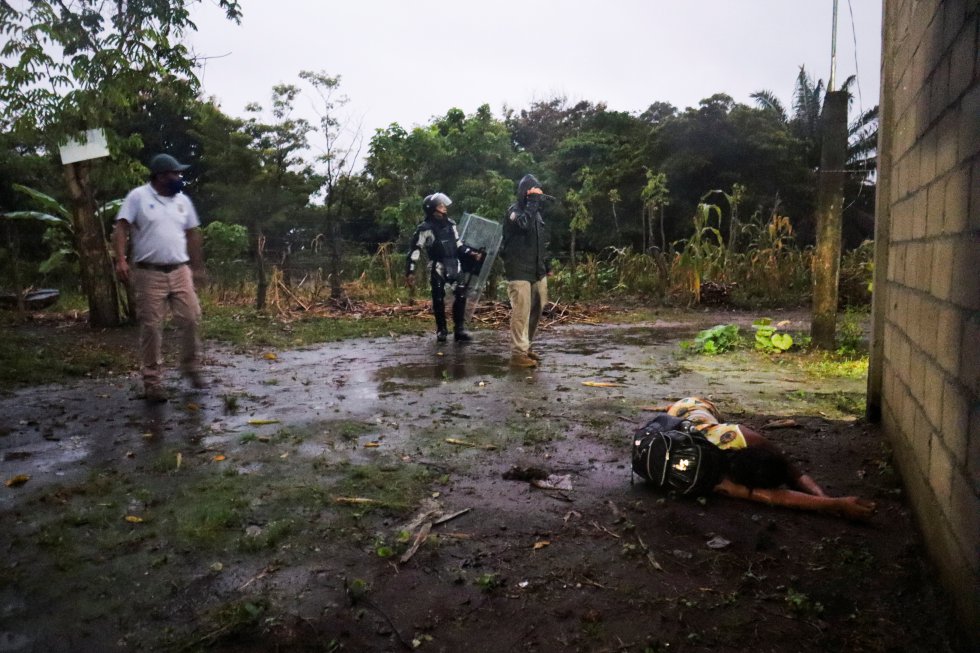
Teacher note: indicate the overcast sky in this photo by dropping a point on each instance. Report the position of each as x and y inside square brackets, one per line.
[406, 61]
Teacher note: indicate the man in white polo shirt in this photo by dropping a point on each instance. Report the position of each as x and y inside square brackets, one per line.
[161, 225]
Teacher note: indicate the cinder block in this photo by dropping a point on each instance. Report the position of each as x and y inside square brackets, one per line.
[939, 88]
[970, 355]
[901, 217]
[949, 333]
[957, 199]
[941, 276]
[969, 137]
[923, 265]
[974, 208]
[966, 259]
[941, 475]
[927, 164]
[928, 325]
[961, 64]
[936, 207]
[954, 16]
[920, 441]
[917, 371]
[946, 152]
[914, 315]
[932, 398]
[973, 446]
[956, 422]
[920, 212]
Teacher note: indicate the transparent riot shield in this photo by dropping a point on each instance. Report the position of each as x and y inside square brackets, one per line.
[486, 235]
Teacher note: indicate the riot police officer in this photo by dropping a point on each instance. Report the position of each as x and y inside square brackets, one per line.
[450, 262]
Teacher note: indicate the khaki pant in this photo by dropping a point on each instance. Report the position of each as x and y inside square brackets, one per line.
[527, 300]
[155, 291]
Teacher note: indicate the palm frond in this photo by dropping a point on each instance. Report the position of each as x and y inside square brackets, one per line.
[768, 101]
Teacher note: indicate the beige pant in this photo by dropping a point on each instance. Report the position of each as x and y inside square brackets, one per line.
[155, 291]
[527, 300]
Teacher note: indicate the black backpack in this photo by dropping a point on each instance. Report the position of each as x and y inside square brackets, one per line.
[671, 454]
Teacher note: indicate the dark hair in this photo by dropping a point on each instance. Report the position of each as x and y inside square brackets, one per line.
[755, 467]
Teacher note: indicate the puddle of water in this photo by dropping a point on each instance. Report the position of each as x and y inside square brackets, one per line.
[455, 367]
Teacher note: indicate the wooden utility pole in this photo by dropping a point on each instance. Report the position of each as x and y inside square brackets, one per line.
[830, 205]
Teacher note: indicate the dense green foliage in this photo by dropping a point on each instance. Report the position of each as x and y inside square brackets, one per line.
[652, 203]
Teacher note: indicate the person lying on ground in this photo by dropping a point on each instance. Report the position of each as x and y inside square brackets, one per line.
[751, 467]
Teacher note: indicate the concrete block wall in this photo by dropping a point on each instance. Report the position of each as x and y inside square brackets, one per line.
[926, 355]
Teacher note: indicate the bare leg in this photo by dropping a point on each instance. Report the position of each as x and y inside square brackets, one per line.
[848, 507]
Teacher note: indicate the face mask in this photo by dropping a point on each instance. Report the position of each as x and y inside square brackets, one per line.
[174, 185]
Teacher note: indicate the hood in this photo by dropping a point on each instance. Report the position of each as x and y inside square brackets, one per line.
[526, 183]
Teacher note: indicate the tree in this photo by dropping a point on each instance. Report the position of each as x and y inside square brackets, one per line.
[337, 160]
[67, 68]
[470, 158]
[654, 197]
[285, 181]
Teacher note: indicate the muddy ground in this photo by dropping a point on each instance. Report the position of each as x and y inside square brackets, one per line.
[273, 511]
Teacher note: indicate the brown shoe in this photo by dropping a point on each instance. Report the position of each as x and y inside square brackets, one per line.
[522, 360]
[533, 355]
[155, 394]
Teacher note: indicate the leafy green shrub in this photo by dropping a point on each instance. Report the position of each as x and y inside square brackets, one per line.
[850, 334]
[716, 340]
[225, 242]
[768, 338]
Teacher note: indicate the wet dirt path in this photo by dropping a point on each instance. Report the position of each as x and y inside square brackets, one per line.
[279, 436]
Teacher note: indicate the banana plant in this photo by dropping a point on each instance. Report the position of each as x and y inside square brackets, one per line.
[60, 233]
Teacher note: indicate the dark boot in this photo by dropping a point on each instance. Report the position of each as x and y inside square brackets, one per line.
[459, 311]
[442, 332]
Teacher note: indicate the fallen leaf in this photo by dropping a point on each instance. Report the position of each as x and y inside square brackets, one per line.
[464, 443]
[133, 519]
[285, 455]
[20, 479]
[780, 424]
[180, 459]
[260, 422]
[540, 544]
[372, 445]
[602, 384]
[354, 500]
[217, 566]
[270, 356]
[219, 457]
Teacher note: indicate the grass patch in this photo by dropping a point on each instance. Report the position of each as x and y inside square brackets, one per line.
[247, 328]
[40, 357]
[397, 486]
[830, 366]
[205, 512]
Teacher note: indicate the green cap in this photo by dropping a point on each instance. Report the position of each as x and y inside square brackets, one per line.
[165, 163]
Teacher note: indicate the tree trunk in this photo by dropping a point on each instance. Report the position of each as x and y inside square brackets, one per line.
[830, 202]
[644, 213]
[619, 238]
[336, 254]
[94, 262]
[663, 234]
[572, 276]
[261, 278]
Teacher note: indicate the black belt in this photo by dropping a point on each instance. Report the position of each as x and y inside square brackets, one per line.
[169, 267]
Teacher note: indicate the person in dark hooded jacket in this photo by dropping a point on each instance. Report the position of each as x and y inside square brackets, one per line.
[525, 255]
[449, 261]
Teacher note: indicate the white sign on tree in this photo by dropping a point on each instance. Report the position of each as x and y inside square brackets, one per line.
[91, 146]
